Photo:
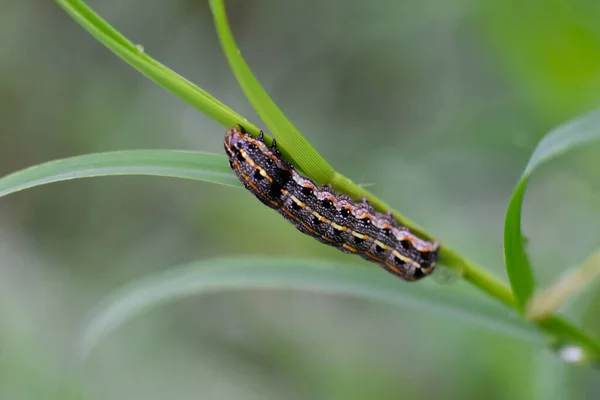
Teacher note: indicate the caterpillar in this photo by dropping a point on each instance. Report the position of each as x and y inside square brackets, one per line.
[329, 217]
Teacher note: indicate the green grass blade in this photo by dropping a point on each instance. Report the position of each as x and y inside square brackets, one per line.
[518, 268]
[157, 72]
[171, 163]
[251, 273]
[291, 141]
[575, 134]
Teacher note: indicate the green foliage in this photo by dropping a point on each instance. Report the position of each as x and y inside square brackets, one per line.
[314, 166]
[269, 273]
[205, 167]
[506, 315]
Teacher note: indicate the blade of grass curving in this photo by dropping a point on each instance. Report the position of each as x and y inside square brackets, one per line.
[250, 273]
[577, 133]
[170, 163]
[160, 74]
[288, 137]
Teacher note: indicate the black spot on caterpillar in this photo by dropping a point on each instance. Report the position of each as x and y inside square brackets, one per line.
[329, 217]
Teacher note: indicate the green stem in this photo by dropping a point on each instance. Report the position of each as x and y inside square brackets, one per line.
[478, 277]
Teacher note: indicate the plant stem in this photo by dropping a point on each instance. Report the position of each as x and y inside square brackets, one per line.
[477, 276]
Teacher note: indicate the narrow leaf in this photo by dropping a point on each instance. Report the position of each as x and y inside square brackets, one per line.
[177, 164]
[575, 134]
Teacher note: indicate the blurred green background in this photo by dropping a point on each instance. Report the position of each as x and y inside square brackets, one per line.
[436, 105]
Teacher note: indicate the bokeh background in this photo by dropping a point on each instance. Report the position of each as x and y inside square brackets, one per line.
[437, 105]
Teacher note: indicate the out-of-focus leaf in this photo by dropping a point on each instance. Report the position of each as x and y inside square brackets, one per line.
[176, 164]
[555, 378]
[251, 273]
